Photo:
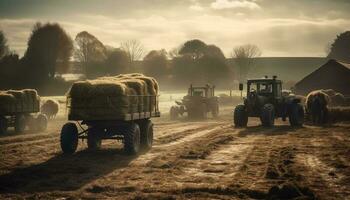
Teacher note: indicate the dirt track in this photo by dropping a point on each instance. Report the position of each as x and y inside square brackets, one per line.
[209, 159]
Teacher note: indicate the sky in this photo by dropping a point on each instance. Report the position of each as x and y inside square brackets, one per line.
[280, 28]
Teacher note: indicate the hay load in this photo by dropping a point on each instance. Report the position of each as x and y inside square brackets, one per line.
[317, 106]
[112, 97]
[19, 101]
[50, 108]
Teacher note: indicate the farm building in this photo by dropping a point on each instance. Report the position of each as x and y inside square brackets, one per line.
[332, 75]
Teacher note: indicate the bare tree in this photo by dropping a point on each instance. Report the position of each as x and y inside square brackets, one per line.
[4, 50]
[243, 56]
[89, 49]
[134, 49]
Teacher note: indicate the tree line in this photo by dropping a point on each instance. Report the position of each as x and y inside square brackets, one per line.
[50, 50]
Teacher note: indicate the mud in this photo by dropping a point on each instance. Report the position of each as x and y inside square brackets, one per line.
[190, 159]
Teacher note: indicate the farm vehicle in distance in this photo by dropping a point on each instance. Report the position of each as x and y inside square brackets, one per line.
[198, 102]
[265, 100]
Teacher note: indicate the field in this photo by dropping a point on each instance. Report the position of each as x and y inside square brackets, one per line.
[190, 159]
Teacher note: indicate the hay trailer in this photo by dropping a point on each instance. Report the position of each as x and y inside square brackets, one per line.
[198, 102]
[130, 123]
[19, 109]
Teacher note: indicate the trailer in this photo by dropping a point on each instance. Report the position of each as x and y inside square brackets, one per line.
[20, 113]
[105, 121]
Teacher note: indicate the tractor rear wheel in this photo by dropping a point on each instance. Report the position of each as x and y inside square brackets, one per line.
[3, 125]
[20, 123]
[94, 140]
[296, 115]
[268, 115]
[146, 129]
[69, 138]
[132, 139]
[240, 116]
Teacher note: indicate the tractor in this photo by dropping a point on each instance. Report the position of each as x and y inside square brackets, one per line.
[198, 102]
[265, 100]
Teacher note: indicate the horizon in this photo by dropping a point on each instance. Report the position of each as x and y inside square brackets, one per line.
[167, 24]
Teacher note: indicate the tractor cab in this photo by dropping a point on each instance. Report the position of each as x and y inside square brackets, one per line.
[206, 91]
[267, 87]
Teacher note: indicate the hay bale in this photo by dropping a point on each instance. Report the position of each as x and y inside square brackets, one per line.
[50, 108]
[26, 100]
[329, 92]
[112, 95]
[317, 106]
[338, 100]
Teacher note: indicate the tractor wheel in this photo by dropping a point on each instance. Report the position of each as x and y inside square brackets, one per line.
[146, 129]
[296, 115]
[132, 139]
[3, 125]
[240, 116]
[268, 115]
[41, 121]
[174, 114]
[94, 140]
[203, 111]
[215, 111]
[20, 123]
[69, 138]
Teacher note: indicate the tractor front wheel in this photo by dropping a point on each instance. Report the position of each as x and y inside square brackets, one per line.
[296, 115]
[240, 116]
[268, 115]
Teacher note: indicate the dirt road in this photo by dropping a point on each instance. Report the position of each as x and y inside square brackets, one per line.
[199, 160]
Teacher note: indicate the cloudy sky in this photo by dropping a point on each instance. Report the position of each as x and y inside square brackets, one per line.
[278, 27]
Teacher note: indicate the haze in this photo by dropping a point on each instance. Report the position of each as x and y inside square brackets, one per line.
[274, 25]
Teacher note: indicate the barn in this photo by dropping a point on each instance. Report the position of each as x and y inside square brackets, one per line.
[332, 75]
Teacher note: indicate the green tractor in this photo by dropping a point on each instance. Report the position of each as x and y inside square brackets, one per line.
[197, 103]
[266, 101]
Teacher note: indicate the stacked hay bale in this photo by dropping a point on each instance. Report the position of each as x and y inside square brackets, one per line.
[50, 108]
[19, 101]
[336, 98]
[112, 97]
[317, 106]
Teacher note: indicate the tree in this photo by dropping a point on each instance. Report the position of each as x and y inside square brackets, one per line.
[134, 49]
[340, 49]
[201, 63]
[117, 62]
[244, 58]
[4, 50]
[155, 63]
[47, 45]
[89, 49]
[194, 48]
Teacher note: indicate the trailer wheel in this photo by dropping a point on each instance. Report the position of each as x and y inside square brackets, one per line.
[41, 121]
[268, 115]
[69, 138]
[296, 115]
[94, 141]
[240, 116]
[3, 125]
[146, 129]
[132, 139]
[20, 123]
